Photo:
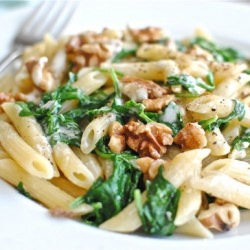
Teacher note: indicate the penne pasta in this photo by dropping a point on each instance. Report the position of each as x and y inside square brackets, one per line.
[78, 173]
[95, 130]
[188, 206]
[40, 189]
[31, 132]
[158, 70]
[23, 154]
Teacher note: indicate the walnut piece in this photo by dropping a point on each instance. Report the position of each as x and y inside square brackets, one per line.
[9, 97]
[155, 105]
[147, 35]
[148, 140]
[220, 217]
[196, 52]
[192, 136]
[149, 166]
[117, 141]
[87, 50]
[40, 74]
[139, 89]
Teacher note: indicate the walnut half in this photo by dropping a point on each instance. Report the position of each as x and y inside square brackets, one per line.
[148, 140]
[192, 136]
[220, 217]
[40, 74]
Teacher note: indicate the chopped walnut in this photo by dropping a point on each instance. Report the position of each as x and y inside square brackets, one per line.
[117, 141]
[138, 89]
[157, 104]
[87, 50]
[148, 140]
[147, 35]
[192, 136]
[9, 97]
[220, 217]
[198, 53]
[40, 74]
[149, 166]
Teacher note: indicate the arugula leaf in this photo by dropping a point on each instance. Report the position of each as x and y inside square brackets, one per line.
[241, 142]
[131, 108]
[247, 71]
[220, 54]
[123, 54]
[158, 213]
[21, 190]
[212, 123]
[193, 85]
[64, 127]
[116, 84]
[109, 197]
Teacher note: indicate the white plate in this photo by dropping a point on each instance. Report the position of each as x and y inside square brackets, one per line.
[27, 225]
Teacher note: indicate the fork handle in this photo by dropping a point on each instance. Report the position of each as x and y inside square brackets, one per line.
[11, 57]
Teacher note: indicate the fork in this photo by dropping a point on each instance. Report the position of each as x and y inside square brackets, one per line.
[50, 17]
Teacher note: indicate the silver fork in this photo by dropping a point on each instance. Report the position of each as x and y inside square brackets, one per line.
[50, 17]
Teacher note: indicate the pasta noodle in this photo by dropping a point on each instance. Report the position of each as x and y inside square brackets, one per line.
[78, 173]
[23, 154]
[30, 131]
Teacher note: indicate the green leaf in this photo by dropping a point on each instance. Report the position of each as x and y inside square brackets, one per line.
[159, 211]
[195, 86]
[212, 123]
[21, 190]
[64, 127]
[113, 194]
[220, 54]
[123, 54]
[247, 71]
[241, 142]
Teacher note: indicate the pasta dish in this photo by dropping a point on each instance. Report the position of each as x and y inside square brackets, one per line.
[131, 130]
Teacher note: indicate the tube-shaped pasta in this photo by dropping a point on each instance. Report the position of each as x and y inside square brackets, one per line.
[230, 87]
[209, 106]
[23, 154]
[3, 153]
[41, 190]
[246, 120]
[184, 166]
[91, 81]
[194, 228]
[126, 221]
[67, 186]
[107, 166]
[72, 167]
[31, 132]
[238, 170]
[189, 204]
[90, 161]
[155, 52]
[231, 131]
[217, 143]
[177, 171]
[224, 187]
[95, 130]
[226, 70]
[158, 70]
